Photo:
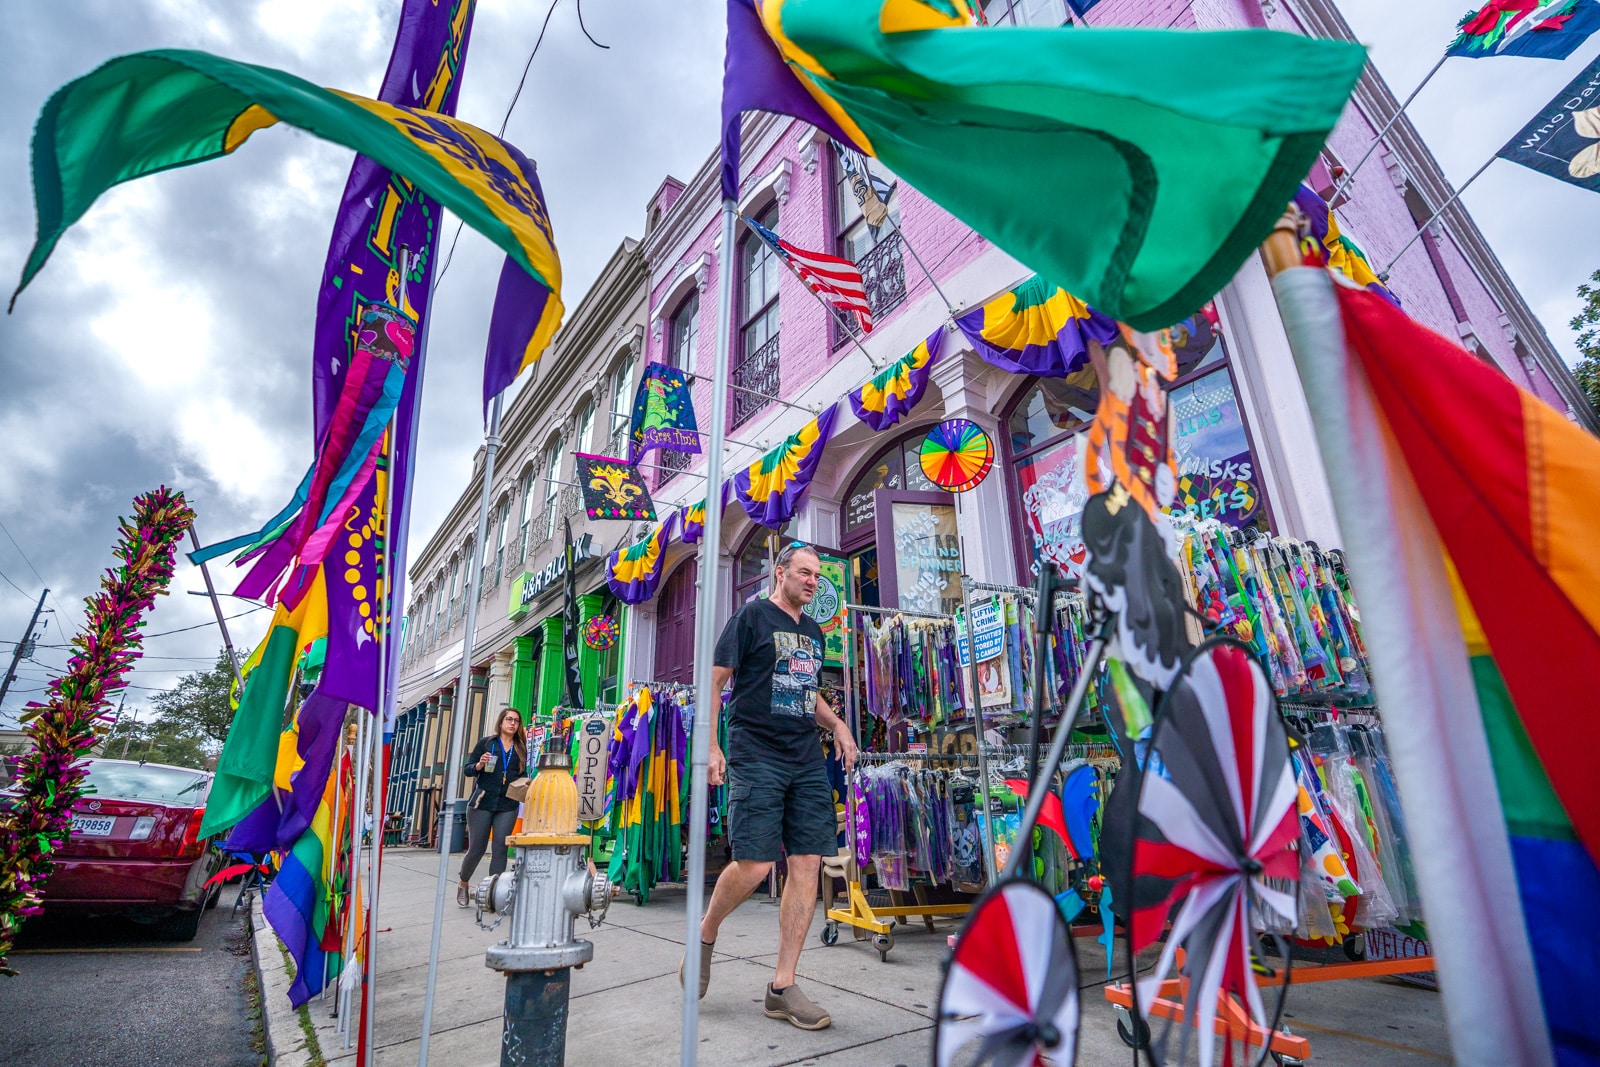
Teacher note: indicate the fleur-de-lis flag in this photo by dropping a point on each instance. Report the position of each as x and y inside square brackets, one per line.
[612, 489]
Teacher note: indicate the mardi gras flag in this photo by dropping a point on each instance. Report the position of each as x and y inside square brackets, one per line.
[991, 123]
[298, 903]
[250, 754]
[1337, 249]
[692, 522]
[1037, 328]
[772, 488]
[896, 389]
[1470, 515]
[1537, 29]
[572, 686]
[1563, 139]
[663, 413]
[634, 572]
[612, 489]
[152, 111]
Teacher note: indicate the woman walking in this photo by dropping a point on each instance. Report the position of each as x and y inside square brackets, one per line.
[496, 762]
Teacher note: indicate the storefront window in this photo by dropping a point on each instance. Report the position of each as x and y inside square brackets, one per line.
[751, 570]
[898, 468]
[1218, 477]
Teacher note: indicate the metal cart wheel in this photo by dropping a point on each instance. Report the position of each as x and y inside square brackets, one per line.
[883, 943]
[830, 933]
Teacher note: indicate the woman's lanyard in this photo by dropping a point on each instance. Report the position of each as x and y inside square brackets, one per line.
[505, 758]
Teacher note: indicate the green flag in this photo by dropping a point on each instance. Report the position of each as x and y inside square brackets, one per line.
[152, 111]
[1136, 168]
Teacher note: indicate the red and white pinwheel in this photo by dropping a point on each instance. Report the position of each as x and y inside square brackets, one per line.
[1215, 821]
[1010, 998]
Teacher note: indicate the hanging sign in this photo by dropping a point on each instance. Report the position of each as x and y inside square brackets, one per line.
[612, 489]
[594, 743]
[827, 608]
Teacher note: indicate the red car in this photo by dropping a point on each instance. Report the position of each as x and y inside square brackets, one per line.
[135, 848]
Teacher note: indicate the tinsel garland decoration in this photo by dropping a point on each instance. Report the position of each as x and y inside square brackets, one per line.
[50, 774]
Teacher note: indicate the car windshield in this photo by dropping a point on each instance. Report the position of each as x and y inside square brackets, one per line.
[133, 781]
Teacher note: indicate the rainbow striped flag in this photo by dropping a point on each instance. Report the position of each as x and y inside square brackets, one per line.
[1470, 512]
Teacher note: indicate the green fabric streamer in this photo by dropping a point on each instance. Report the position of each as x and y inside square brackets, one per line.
[1137, 168]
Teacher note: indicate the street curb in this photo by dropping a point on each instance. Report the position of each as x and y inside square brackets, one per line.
[286, 1042]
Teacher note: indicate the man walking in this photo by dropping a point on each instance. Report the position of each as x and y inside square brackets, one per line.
[779, 794]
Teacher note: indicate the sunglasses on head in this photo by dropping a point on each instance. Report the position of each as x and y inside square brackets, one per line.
[788, 551]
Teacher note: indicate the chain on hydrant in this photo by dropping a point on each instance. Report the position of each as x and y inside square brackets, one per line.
[550, 884]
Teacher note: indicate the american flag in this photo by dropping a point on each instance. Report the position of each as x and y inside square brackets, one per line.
[836, 280]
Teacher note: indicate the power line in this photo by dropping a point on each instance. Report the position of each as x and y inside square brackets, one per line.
[12, 584]
[23, 554]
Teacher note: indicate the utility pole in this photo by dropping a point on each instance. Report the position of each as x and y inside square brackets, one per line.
[24, 648]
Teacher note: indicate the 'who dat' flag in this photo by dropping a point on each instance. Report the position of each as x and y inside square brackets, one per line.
[837, 280]
[1563, 139]
[1536, 29]
[991, 123]
[1470, 515]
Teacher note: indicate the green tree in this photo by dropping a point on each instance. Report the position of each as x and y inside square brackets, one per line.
[189, 724]
[1587, 323]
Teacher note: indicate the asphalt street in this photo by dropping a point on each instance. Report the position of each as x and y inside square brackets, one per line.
[107, 993]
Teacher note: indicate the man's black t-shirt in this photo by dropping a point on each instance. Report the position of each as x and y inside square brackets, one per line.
[775, 662]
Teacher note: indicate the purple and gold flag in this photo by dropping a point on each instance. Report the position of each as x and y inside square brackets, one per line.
[663, 413]
[633, 573]
[1037, 328]
[612, 488]
[896, 389]
[772, 488]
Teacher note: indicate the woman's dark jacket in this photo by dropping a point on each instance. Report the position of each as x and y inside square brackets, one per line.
[492, 781]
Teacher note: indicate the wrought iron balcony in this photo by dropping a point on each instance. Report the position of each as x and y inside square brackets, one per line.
[539, 530]
[570, 501]
[754, 379]
[883, 275]
[671, 462]
[617, 447]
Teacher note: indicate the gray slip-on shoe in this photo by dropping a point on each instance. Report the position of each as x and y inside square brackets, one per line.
[797, 1009]
[705, 968]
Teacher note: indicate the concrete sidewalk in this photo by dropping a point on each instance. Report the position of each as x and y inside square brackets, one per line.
[626, 1004]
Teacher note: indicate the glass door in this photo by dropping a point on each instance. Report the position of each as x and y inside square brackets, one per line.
[918, 551]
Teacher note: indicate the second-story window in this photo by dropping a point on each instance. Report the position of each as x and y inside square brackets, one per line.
[875, 249]
[455, 594]
[500, 540]
[552, 487]
[755, 369]
[682, 337]
[585, 440]
[466, 577]
[622, 390]
[526, 525]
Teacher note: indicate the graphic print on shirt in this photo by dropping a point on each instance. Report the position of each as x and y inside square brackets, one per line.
[794, 674]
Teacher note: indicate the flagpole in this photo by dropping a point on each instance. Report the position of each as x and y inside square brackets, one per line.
[346, 987]
[1344, 183]
[458, 725]
[1383, 276]
[387, 605]
[705, 640]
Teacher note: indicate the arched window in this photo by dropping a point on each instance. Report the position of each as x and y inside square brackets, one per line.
[622, 392]
[552, 487]
[752, 568]
[584, 442]
[503, 520]
[685, 333]
[526, 490]
[755, 370]
[457, 568]
[466, 578]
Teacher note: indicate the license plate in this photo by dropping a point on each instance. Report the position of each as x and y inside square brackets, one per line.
[93, 825]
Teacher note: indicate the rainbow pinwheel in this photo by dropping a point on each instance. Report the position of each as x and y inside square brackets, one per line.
[957, 455]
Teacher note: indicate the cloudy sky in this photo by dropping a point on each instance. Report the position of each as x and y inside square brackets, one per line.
[167, 339]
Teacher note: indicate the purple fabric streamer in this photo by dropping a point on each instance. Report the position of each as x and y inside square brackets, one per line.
[755, 78]
[519, 303]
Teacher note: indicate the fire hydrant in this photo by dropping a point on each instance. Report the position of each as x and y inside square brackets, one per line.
[549, 885]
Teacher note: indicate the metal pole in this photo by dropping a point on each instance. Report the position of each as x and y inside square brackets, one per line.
[345, 986]
[705, 641]
[386, 630]
[24, 645]
[458, 725]
[1384, 276]
[216, 606]
[1378, 138]
[1037, 783]
[1069, 715]
[986, 841]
